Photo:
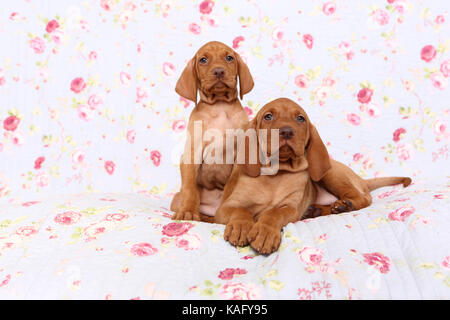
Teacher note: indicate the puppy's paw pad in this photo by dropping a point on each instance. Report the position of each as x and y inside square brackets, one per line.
[341, 206]
[236, 232]
[312, 212]
[264, 238]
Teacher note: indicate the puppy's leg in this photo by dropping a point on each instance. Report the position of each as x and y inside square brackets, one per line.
[350, 200]
[238, 223]
[189, 194]
[265, 235]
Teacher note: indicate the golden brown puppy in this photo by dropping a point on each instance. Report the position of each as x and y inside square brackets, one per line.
[213, 72]
[256, 207]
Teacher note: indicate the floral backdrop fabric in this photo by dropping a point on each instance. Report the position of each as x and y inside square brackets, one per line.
[87, 100]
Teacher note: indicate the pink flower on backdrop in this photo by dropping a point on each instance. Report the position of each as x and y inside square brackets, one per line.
[38, 162]
[277, 34]
[125, 78]
[52, 25]
[188, 242]
[240, 291]
[26, 231]
[41, 179]
[237, 42]
[84, 112]
[402, 213]
[17, 139]
[329, 8]
[404, 151]
[438, 81]
[380, 16]
[398, 134]
[248, 110]
[439, 127]
[67, 218]
[302, 81]
[310, 256]
[107, 4]
[440, 19]
[378, 260]
[308, 40]
[175, 229]
[194, 28]
[365, 95]
[141, 94]
[206, 6]
[445, 68]
[78, 157]
[143, 249]
[38, 45]
[446, 262]
[116, 217]
[95, 101]
[11, 123]
[77, 85]
[428, 53]
[229, 273]
[357, 156]
[93, 55]
[131, 136]
[109, 167]
[179, 126]
[354, 119]
[373, 110]
[155, 156]
[30, 203]
[168, 69]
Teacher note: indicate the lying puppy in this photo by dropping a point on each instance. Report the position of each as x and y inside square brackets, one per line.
[256, 207]
[213, 72]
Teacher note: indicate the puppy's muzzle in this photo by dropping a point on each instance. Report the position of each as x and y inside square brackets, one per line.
[286, 133]
[219, 73]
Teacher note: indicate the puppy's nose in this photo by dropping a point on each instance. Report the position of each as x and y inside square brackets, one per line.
[219, 72]
[286, 133]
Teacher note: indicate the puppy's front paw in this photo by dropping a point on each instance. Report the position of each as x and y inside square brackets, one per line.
[263, 238]
[340, 206]
[186, 215]
[236, 232]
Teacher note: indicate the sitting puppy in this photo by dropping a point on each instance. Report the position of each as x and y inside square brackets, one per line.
[256, 207]
[212, 72]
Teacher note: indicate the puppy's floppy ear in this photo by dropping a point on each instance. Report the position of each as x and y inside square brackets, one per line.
[317, 155]
[245, 78]
[251, 148]
[187, 83]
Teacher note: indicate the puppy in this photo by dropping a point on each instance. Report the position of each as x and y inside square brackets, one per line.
[256, 207]
[213, 73]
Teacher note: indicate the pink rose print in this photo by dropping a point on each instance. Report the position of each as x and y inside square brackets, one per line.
[380, 16]
[67, 218]
[125, 78]
[175, 229]
[188, 241]
[438, 81]
[93, 56]
[131, 136]
[329, 8]
[401, 213]
[109, 167]
[116, 217]
[446, 262]
[195, 28]
[95, 101]
[229, 273]
[277, 34]
[240, 291]
[5, 281]
[38, 45]
[365, 95]
[440, 19]
[404, 151]
[41, 179]
[78, 157]
[38, 162]
[398, 134]
[357, 156]
[310, 256]
[168, 69]
[237, 42]
[378, 260]
[439, 127]
[179, 126]
[354, 119]
[26, 231]
[107, 4]
[308, 40]
[206, 6]
[155, 156]
[30, 203]
[11, 123]
[143, 249]
[428, 53]
[302, 81]
[445, 68]
[84, 112]
[77, 85]
[52, 25]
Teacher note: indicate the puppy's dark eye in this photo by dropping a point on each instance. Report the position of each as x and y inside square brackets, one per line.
[301, 119]
[229, 58]
[268, 117]
[203, 60]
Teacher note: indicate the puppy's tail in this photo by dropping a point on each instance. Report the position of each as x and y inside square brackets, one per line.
[376, 183]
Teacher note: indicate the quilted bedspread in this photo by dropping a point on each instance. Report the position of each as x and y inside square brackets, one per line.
[125, 246]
